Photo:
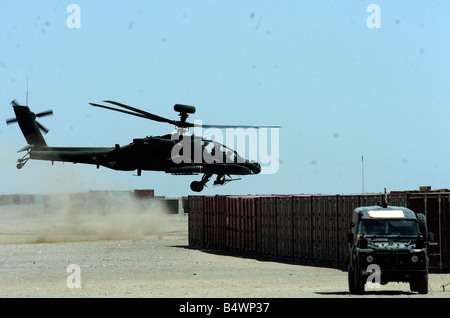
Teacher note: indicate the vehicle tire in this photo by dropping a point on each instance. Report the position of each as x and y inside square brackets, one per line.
[360, 282]
[351, 279]
[422, 284]
[413, 285]
[422, 220]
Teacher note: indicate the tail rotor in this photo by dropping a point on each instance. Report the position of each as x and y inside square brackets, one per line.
[30, 116]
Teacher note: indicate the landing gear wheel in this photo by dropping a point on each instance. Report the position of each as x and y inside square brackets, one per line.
[22, 161]
[197, 186]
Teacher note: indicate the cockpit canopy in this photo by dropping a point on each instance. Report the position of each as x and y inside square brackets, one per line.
[221, 152]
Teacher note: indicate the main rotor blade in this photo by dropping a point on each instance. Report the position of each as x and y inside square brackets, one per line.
[15, 103]
[118, 110]
[234, 126]
[146, 114]
[10, 121]
[43, 128]
[45, 113]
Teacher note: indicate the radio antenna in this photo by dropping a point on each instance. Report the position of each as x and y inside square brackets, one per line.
[385, 201]
[27, 90]
[362, 172]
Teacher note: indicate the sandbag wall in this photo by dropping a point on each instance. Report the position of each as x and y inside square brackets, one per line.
[304, 229]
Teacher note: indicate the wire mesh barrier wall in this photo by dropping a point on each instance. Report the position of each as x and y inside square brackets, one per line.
[305, 229]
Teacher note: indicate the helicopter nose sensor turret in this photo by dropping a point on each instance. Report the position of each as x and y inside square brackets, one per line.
[255, 168]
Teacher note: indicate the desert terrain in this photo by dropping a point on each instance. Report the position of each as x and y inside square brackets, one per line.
[139, 252]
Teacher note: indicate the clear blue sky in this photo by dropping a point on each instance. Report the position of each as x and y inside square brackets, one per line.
[339, 89]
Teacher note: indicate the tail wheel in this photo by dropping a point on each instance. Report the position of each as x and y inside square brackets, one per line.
[22, 161]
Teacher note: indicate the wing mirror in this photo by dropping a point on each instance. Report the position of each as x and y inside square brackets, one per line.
[350, 237]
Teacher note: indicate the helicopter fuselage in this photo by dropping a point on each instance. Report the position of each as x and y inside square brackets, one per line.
[150, 153]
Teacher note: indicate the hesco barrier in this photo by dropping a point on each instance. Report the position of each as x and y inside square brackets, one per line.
[305, 229]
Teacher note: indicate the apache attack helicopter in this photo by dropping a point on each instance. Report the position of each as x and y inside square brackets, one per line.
[177, 153]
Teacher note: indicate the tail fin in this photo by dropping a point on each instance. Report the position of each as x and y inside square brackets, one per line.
[31, 129]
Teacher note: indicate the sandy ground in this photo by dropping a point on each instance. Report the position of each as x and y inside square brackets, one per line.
[147, 255]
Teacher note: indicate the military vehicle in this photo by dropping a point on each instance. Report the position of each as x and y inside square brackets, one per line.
[388, 244]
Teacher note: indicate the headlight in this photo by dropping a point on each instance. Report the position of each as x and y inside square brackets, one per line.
[414, 258]
[369, 258]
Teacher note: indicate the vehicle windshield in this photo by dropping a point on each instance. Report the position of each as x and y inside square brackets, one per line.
[389, 227]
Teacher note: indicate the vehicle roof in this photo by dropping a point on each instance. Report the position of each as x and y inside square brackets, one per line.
[364, 211]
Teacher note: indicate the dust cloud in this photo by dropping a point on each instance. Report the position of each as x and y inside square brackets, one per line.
[69, 204]
[91, 216]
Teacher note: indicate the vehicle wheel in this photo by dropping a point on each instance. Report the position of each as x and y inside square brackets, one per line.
[360, 282]
[413, 285]
[422, 284]
[197, 186]
[351, 279]
[422, 220]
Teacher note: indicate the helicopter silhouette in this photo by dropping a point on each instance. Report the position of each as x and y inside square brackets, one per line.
[178, 153]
